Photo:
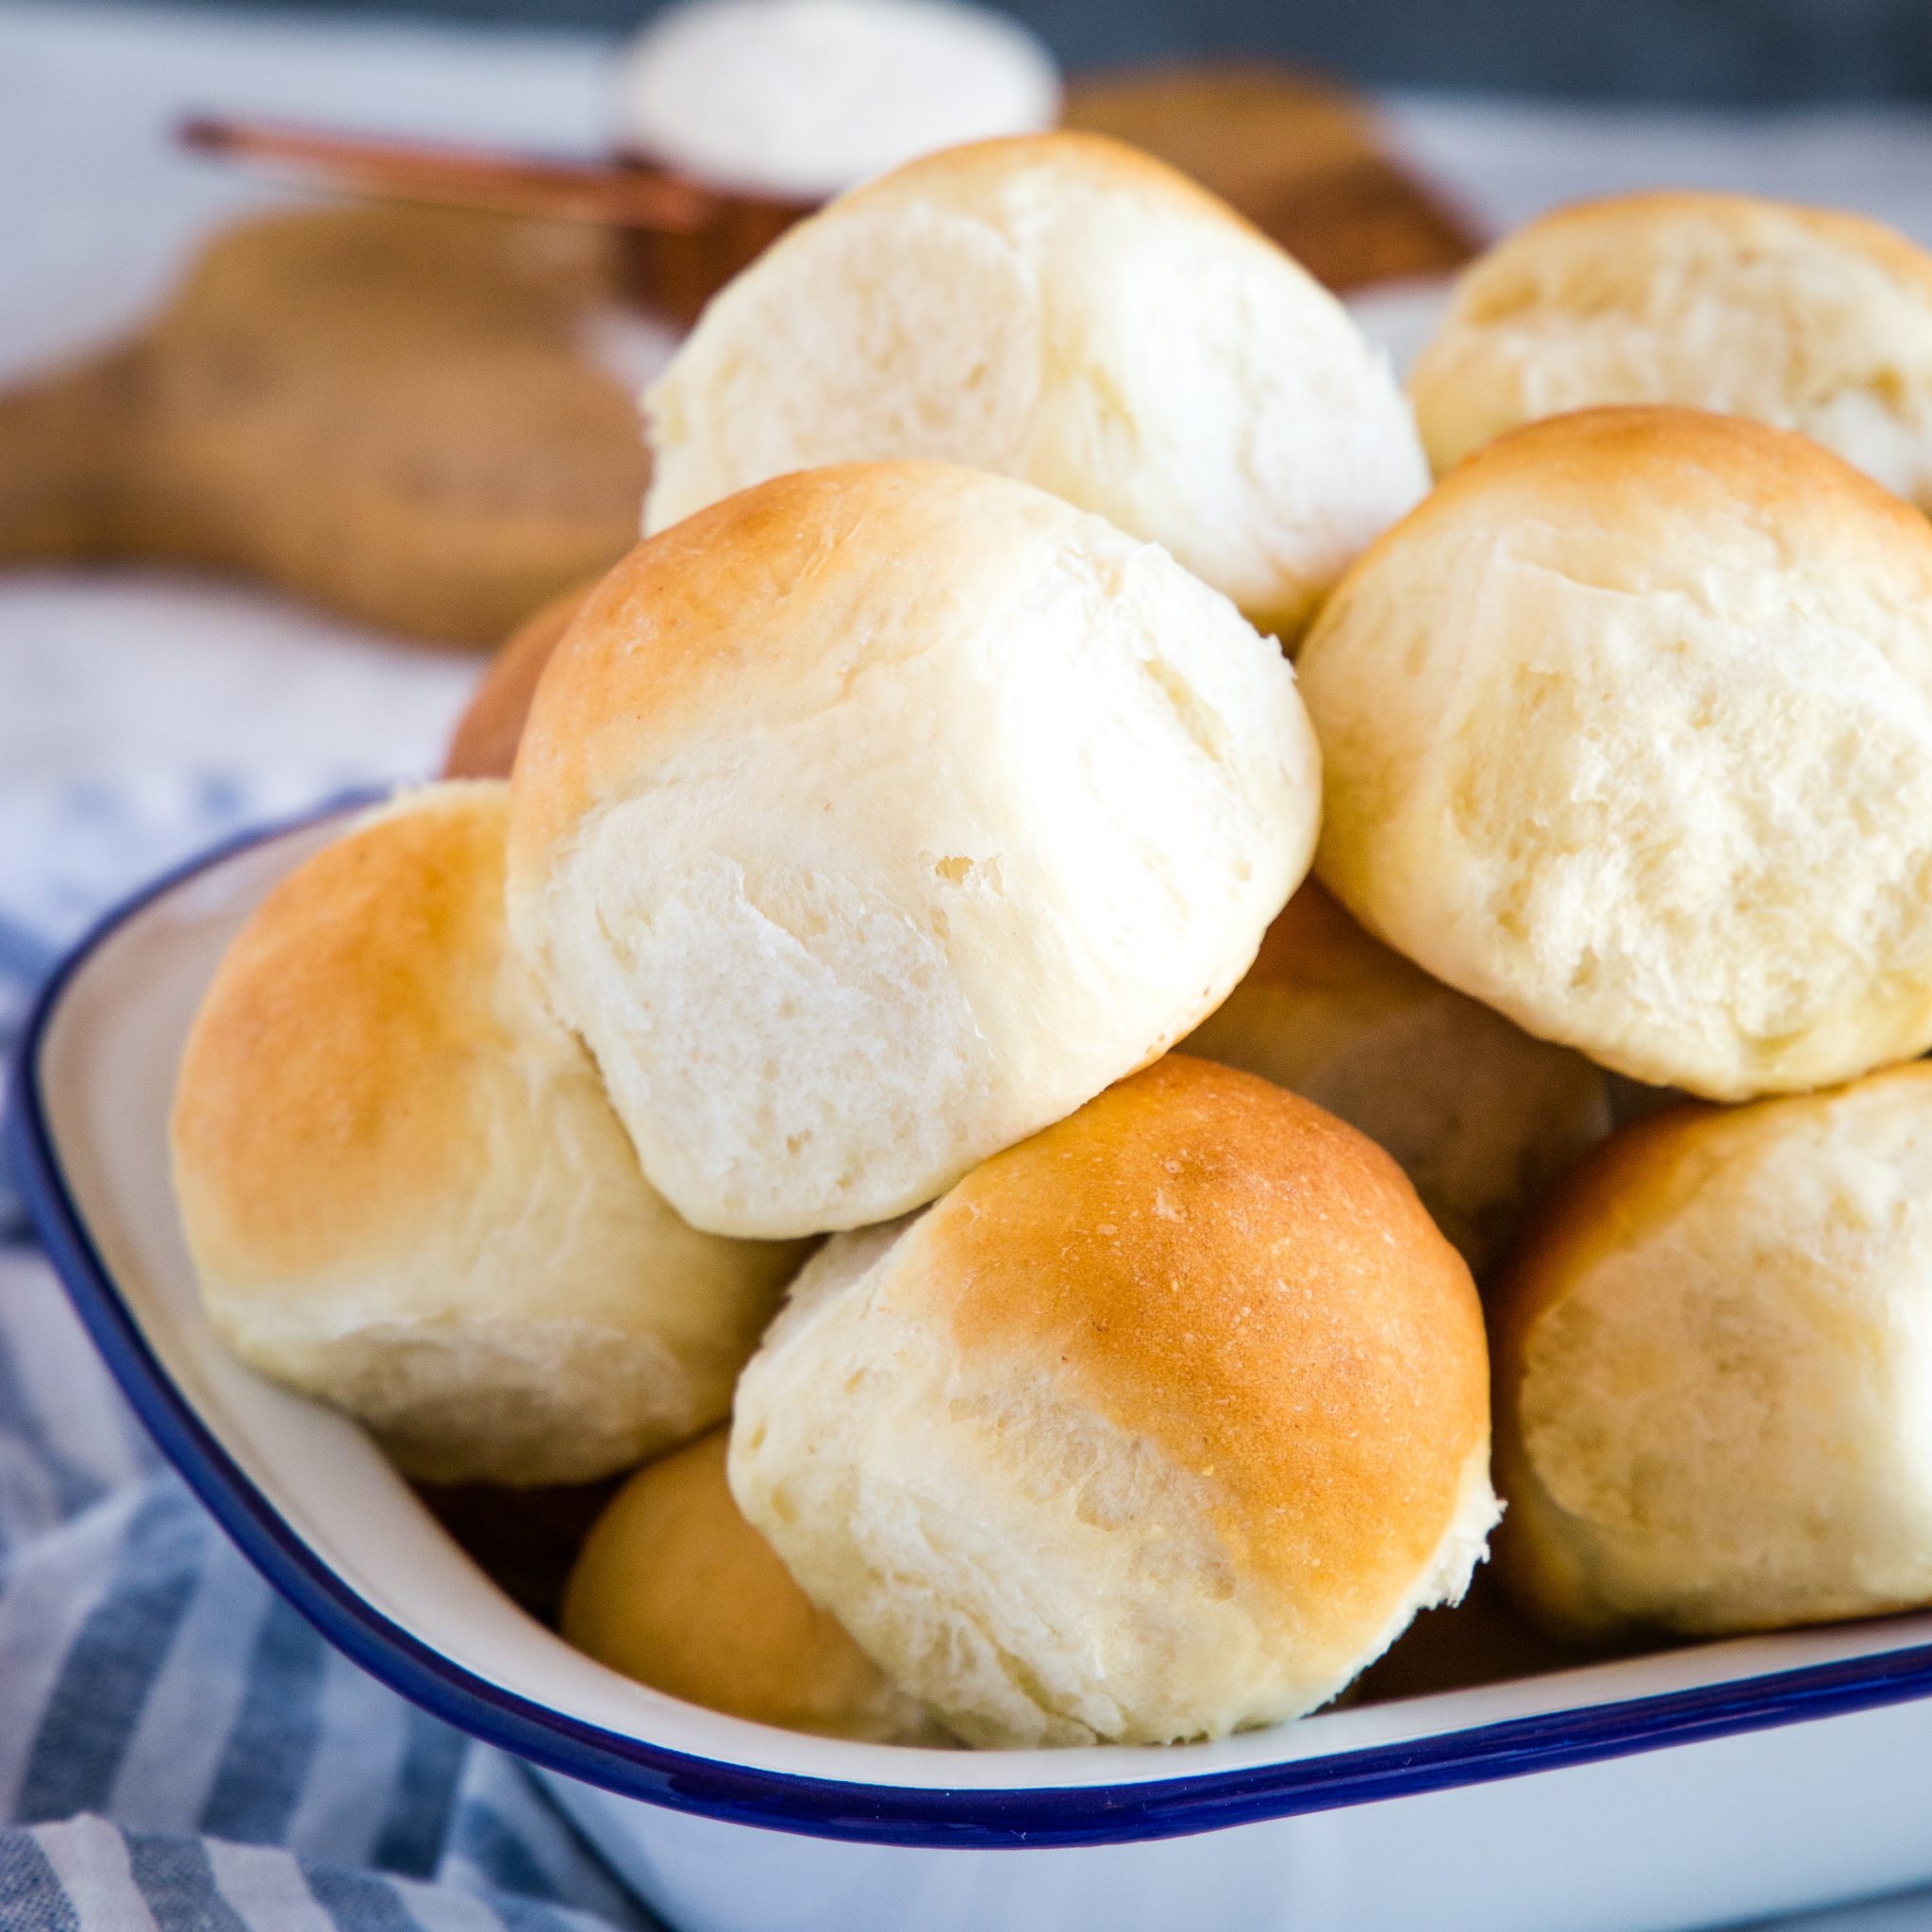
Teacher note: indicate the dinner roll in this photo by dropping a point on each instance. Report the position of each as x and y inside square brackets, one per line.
[1627, 732]
[404, 1188]
[877, 817]
[1160, 1424]
[1072, 312]
[1714, 1370]
[484, 743]
[676, 1588]
[1800, 317]
[1481, 1116]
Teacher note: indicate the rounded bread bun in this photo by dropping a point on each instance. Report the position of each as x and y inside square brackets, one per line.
[1160, 1424]
[1071, 312]
[484, 743]
[1714, 1369]
[873, 818]
[1627, 732]
[1802, 318]
[1481, 1117]
[676, 1588]
[405, 1191]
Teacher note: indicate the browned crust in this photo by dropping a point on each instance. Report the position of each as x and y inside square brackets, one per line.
[484, 743]
[1231, 1273]
[1314, 941]
[330, 1060]
[750, 605]
[676, 1588]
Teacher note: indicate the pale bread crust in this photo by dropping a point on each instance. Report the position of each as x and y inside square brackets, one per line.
[1069, 311]
[1803, 317]
[1713, 1369]
[1627, 732]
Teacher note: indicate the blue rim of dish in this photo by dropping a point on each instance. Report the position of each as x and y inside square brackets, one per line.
[786, 1801]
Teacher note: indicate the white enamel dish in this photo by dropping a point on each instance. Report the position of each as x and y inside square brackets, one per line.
[1699, 1785]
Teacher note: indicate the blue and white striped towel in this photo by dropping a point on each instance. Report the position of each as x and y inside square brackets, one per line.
[179, 1752]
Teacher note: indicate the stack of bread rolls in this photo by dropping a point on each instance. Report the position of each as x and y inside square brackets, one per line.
[877, 831]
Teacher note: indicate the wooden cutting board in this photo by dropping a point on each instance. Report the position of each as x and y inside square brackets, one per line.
[1302, 157]
[387, 411]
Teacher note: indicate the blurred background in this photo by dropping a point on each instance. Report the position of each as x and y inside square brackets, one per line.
[1656, 50]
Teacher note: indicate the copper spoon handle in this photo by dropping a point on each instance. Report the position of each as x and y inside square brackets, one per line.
[465, 177]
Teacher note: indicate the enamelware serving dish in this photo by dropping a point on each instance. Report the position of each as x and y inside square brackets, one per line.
[1702, 1784]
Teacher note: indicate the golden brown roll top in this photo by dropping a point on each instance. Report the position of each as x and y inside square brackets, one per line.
[676, 1588]
[484, 743]
[1161, 1424]
[1714, 1370]
[405, 1191]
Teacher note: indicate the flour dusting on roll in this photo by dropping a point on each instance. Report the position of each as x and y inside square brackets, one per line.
[1161, 1424]
[875, 818]
[404, 1188]
[1069, 311]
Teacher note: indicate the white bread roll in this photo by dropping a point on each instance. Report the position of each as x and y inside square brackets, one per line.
[676, 1588]
[404, 1188]
[1481, 1117]
[1627, 732]
[875, 818]
[1798, 316]
[1714, 1370]
[1072, 312]
[1160, 1424]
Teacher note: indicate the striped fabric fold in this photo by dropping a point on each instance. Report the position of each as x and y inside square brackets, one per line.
[178, 1749]
[86, 1875]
